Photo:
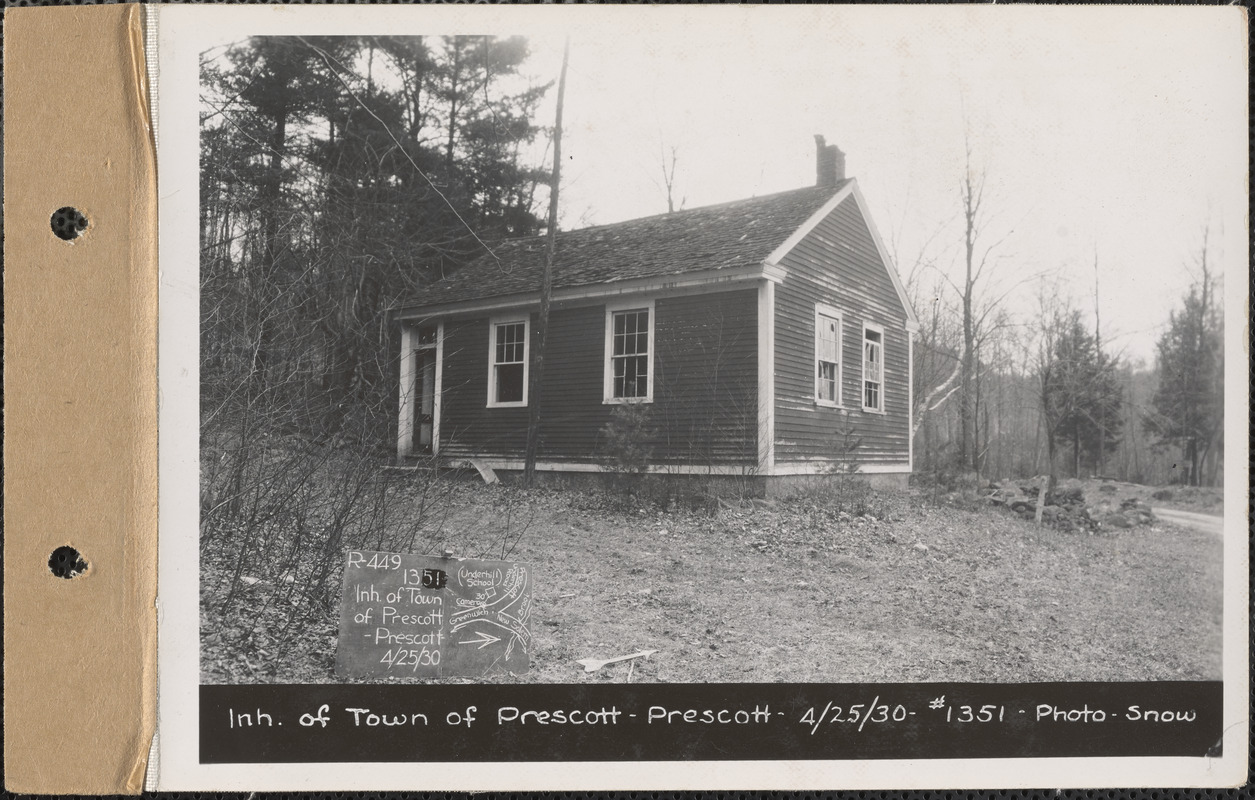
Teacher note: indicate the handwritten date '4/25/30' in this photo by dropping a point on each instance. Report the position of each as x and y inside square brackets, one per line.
[856, 714]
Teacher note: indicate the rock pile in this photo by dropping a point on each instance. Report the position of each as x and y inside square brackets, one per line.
[1066, 509]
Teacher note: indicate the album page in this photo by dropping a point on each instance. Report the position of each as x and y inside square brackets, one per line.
[702, 397]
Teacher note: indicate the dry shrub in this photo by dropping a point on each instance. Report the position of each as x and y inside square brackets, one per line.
[624, 449]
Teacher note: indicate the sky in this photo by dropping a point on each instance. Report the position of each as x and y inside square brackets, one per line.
[1115, 135]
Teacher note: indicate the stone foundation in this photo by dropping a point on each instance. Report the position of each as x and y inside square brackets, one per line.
[774, 486]
[785, 485]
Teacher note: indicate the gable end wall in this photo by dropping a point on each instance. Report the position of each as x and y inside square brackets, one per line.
[838, 264]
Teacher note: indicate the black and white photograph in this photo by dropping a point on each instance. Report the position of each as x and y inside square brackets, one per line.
[840, 346]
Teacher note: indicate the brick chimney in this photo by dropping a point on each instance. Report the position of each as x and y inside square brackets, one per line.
[829, 164]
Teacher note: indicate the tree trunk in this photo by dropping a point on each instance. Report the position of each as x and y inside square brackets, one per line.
[272, 189]
[967, 447]
[546, 289]
[1192, 457]
[1037, 446]
[453, 106]
[1051, 449]
[967, 452]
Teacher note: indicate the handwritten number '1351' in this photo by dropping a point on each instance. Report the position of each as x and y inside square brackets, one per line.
[427, 578]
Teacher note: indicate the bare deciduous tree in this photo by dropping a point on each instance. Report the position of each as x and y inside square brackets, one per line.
[669, 161]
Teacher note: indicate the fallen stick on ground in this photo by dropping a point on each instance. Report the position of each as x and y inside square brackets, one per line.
[594, 664]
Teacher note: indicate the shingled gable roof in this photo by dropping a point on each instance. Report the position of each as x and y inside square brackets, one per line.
[719, 237]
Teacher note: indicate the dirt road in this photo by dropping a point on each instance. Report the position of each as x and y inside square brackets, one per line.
[1191, 519]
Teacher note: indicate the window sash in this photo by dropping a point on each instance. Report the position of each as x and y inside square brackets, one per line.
[827, 357]
[873, 370]
[511, 342]
[829, 339]
[827, 381]
[629, 354]
[871, 395]
[509, 362]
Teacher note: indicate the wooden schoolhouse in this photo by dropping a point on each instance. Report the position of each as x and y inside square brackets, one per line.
[766, 339]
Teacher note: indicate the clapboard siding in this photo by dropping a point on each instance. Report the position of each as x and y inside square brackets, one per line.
[467, 426]
[838, 264]
[706, 385]
[705, 365]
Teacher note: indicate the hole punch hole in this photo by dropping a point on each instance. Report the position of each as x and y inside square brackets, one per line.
[66, 562]
[68, 223]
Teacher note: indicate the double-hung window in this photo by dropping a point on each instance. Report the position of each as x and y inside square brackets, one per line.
[507, 362]
[873, 367]
[827, 356]
[629, 366]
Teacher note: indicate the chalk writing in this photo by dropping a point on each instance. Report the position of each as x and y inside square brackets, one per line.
[405, 615]
[658, 722]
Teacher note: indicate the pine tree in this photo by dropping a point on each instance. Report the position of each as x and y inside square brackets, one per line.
[1081, 392]
[1189, 403]
[340, 175]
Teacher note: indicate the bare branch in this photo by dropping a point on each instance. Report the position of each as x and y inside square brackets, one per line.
[940, 393]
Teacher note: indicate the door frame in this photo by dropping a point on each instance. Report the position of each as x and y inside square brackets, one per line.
[409, 401]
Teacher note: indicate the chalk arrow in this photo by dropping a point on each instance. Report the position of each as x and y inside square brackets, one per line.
[485, 639]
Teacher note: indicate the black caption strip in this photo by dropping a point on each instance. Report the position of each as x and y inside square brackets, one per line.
[678, 722]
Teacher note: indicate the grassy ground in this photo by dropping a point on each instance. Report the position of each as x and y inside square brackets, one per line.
[791, 591]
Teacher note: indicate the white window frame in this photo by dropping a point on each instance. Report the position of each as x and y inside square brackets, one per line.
[862, 388]
[511, 319]
[833, 313]
[607, 361]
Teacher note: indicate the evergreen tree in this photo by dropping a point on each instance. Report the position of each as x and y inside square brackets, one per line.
[339, 176]
[1081, 394]
[1189, 402]
[486, 113]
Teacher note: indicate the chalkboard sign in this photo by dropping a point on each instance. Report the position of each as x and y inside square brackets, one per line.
[404, 615]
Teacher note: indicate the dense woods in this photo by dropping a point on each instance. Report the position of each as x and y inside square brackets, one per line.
[339, 175]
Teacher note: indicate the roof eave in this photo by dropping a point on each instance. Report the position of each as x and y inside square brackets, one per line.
[655, 284]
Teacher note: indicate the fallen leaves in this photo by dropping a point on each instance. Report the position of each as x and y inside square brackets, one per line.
[915, 592]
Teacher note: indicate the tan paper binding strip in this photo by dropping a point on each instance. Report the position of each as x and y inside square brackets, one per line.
[80, 444]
